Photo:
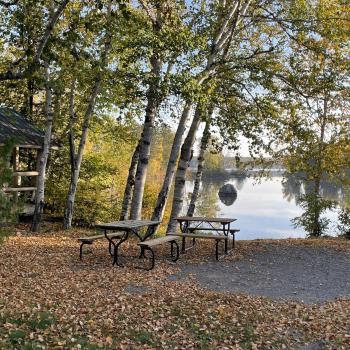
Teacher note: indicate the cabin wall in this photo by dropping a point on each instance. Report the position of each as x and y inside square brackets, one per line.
[24, 179]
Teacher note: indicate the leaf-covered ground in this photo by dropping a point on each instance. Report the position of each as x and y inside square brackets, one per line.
[51, 300]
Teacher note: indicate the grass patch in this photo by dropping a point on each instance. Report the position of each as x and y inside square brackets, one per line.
[41, 320]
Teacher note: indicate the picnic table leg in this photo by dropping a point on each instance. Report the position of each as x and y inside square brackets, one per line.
[177, 250]
[152, 258]
[110, 242]
[226, 231]
[110, 245]
[217, 250]
[183, 244]
[142, 253]
[81, 249]
[115, 256]
[142, 239]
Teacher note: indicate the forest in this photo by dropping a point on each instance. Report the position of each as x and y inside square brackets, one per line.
[119, 120]
[130, 92]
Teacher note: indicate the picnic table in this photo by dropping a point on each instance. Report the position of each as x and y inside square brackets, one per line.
[128, 227]
[186, 224]
[190, 225]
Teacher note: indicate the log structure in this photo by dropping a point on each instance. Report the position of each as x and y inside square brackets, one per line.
[16, 128]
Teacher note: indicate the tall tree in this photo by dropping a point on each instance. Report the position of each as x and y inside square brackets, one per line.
[161, 16]
[77, 156]
[199, 172]
[158, 211]
[44, 154]
[233, 14]
[313, 89]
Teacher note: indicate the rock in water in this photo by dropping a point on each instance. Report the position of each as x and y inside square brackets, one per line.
[228, 194]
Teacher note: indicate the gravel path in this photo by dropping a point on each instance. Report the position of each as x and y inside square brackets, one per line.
[302, 273]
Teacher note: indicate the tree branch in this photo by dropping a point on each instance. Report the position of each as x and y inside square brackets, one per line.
[10, 75]
[148, 10]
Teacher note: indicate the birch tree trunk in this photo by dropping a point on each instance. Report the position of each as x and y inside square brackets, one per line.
[185, 157]
[77, 158]
[199, 173]
[153, 102]
[130, 182]
[316, 230]
[158, 211]
[40, 192]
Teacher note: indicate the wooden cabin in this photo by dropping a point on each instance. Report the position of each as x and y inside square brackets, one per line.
[28, 141]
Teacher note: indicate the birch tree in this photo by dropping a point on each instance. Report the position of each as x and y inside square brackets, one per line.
[154, 99]
[233, 14]
[200, 166]
[77, 156]
[130, 183]
[158, 211]
[170, 40]
[43, 155]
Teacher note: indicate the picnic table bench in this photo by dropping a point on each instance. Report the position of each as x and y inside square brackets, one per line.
[190, 224]
[91, 239]
[150, 244]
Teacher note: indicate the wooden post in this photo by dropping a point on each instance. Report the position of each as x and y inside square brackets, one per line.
[16, 179]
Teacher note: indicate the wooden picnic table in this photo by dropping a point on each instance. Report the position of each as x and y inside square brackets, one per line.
[128, 227]
[189, 225]
[186, 221]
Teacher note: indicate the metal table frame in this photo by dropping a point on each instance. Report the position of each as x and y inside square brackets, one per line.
[185, 222]
[129, 227]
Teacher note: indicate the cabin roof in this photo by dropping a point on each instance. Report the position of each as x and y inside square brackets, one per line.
[15, 126]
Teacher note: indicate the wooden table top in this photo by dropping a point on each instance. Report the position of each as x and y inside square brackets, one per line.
[205, 219]
[127, 224]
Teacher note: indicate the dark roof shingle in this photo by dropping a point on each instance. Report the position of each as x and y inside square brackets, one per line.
[15, 126]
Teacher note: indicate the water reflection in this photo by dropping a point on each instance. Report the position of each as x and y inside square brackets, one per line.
[227, 194]
[296, 185]
[264, 208]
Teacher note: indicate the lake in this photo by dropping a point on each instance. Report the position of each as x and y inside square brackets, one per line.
[263, 208]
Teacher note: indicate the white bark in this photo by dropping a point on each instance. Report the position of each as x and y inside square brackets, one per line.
[153, 103]
[40, 192]
[129, 187]
[199, 173]
[76, 159]
[158, 211]
[220, 43]
[180, 177]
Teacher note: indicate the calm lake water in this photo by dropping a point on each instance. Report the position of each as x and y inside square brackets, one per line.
[263, 208]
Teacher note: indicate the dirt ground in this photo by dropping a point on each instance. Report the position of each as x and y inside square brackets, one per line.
[251, 300]
[303, 273]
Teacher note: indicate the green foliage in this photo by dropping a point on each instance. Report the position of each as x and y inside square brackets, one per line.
[343, 221]
[268, 86]
[311, 220]
[16, 336]
[41, 320]
[103, 172]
